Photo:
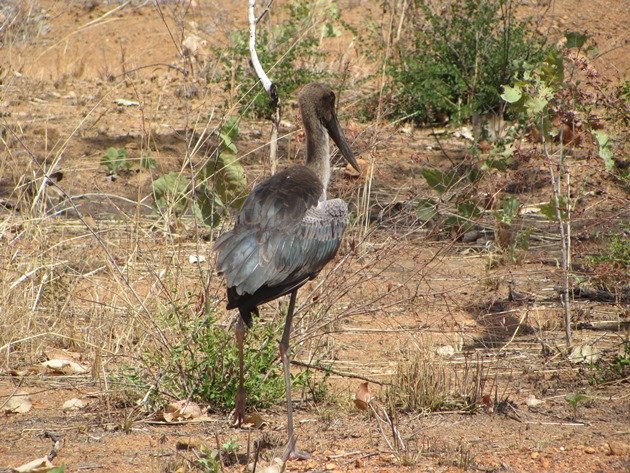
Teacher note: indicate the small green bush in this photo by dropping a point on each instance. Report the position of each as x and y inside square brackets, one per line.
[454, 61]
[201, 364]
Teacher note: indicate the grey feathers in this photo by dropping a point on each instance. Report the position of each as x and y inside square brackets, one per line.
[283, 235]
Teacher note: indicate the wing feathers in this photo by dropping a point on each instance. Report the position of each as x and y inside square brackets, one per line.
[282, 238]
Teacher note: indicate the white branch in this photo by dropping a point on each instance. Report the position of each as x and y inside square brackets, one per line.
[260, 72]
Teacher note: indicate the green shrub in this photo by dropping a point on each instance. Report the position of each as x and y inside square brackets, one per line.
[200, 363]
[454, 61]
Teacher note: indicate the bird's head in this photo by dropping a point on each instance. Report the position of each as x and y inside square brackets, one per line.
[317, 104]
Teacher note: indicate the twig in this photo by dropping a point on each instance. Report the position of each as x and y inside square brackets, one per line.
[338, 373]
[56, 439]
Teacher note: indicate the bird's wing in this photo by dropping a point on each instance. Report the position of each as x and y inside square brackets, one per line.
[282, 237]
[303, 254]
[274, 208]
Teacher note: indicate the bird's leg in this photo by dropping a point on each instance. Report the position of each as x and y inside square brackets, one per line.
[290, 451]
[239, 410]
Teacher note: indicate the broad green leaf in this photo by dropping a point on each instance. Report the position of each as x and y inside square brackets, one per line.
[549, 209]
[115, 160]
[227, 144]
[575, 40]
[231, 183]
[230, 128]
[576, 398]
[536, 105]
[426, 209]
[171, 190]
[207, 207]
[605, 151]
[147, 162]
[552, 70]
[511, 94]
[468, 209]
[509, 210]
[439, 181]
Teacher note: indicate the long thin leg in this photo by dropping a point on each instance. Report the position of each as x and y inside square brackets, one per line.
[290, 450]
[239, 410]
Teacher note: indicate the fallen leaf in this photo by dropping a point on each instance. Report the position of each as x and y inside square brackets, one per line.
[362, 397]
[19, 403]
[180, 410]
[41, 465]
[73, 404]
[126, 103]
[349, 171]
[274, 467]
[190, 443]
[584, 354]
[531, 401]
[253, 421]
[192, 259]
[445, 351]
[18, 373]
[65, 366]
[488, 403]
[58, 354]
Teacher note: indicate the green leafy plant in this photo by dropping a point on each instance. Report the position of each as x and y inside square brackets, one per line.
[147, 161]
[454, 60]
[170, 192]
[223, 184]
[574, 400]
[554, 100]
[199, 361]
[609, 267]
[116, 160]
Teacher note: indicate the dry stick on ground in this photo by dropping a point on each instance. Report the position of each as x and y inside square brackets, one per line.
[269, 86]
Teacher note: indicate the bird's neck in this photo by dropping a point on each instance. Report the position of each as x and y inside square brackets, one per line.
[318, 154]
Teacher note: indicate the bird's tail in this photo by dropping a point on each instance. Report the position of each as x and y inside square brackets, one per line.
[247, 314]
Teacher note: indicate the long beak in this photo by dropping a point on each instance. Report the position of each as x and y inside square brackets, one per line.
[335, 132]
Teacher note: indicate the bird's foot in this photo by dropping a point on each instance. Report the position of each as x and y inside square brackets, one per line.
[238, 415]
[299, 455]
[292, 453]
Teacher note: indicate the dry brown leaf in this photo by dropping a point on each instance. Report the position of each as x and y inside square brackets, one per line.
[18, 373]
[19, 403]
[190, 443]
[73, 404]
[253, 421]
[41, 465]
[362, 397]
[58, 354]
[65, 366]
[180, 410]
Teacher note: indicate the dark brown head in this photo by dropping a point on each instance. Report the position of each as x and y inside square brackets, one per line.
[317, 104]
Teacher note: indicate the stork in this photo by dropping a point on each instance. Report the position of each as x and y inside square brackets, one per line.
[285, 233]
